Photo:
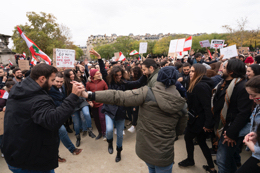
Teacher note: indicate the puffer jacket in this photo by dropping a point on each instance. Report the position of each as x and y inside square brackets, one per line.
[160, 118]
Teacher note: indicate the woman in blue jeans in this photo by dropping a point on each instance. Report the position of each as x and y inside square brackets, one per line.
[115, 115]
[83, 106]
[253, 163]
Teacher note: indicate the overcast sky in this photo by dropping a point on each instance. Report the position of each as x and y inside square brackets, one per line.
[122, 17]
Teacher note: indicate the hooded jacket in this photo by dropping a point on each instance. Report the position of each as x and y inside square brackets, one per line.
[31, 126]
[199, 102]
[160, 119]
[96, 85]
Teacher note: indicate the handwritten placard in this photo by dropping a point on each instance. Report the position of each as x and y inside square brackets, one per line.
[205, 43]
[143, 47]
[229, 52]
[24, 64]
[243, 50]
[217, 44]
[64, 57]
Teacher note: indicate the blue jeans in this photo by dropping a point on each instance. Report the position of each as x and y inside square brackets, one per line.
[157, 169]
[86, 121]
[65, 139]
[119, 127]
[20, 170]
[226, 157]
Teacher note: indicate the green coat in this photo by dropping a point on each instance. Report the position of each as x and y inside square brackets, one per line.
[161, 117]
[152, 78]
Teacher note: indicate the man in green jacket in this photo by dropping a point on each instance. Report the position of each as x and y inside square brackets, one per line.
[150, 68]
[162, 116]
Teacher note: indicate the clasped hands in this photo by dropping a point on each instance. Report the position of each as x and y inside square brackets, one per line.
[79, 89]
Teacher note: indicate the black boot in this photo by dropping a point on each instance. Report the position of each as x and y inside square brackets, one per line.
[118, 156]
[99, 136]
[110, 146]
[78, 140]
[90, 133]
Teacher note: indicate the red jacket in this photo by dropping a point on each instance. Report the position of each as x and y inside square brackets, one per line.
[96, 85]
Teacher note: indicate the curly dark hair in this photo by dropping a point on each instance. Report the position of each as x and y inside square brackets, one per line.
[137, 73]
[112, 74]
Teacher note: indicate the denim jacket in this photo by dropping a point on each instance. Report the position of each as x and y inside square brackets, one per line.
[255, 116]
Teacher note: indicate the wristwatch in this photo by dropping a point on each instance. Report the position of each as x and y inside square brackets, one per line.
[90, 95]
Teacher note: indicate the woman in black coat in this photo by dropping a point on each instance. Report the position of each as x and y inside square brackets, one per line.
[200, 115]
[115, 115]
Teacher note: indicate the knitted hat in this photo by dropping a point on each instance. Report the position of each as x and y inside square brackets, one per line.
[249, 60]
[92, 73]
[168, 76]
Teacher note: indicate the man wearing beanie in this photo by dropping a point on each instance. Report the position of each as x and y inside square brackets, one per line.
[161, 117]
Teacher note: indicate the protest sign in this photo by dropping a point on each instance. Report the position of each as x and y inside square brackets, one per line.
[205, 43]
[2, 115]
[117, 56]
[229, 52]
[243, 50]
[63, 57]
[142, 47]
[24, 64]
[176, 45]
[217, 44]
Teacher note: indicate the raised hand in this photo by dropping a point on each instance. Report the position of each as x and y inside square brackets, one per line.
[95, 53]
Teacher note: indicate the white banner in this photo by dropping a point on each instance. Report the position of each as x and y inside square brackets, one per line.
[143, 47]
[65, 57]
[217, 44]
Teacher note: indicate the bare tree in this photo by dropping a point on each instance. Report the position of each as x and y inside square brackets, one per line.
[238, 35]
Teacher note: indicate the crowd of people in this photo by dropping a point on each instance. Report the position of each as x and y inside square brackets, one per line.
[198, 96]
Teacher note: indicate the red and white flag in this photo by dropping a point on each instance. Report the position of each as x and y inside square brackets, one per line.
[35, 50]
[134, 52]
[34, 61]
[187, 44]
[3, 94]
[121, 57]
[24, 55]
[10, 62]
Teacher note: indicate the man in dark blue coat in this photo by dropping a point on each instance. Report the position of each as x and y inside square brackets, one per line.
[32, 121]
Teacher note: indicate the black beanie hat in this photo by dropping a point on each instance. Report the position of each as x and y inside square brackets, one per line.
[168, 76]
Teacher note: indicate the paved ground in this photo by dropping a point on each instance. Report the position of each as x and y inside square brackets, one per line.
[96, 159]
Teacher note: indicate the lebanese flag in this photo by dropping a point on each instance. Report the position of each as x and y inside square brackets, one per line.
[121, 57]
[3, 94]
[35, 50]
[34, 61]
[134, 52]
[187, 44]
[24, 55]
[10, 62]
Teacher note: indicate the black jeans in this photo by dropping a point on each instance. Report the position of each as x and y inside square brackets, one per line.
[201, 137]
[251, 165]
[135, 115]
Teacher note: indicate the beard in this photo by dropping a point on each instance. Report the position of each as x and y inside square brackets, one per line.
[46, 86]
[19, 77]
[224, 76]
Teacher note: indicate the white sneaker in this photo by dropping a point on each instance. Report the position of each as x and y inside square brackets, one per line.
[123, 132]
[132, 129]
[115, 131]
[3, 156]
